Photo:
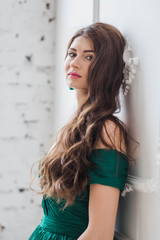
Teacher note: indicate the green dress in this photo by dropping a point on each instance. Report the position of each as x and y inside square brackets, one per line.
[111, 168]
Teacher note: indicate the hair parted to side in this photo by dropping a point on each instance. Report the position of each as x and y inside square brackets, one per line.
[63, 172]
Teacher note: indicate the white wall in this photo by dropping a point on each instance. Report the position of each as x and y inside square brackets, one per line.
[26, 108]
[35, 102]
[139, 21]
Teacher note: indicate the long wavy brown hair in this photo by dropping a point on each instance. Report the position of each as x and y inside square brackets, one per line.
[63, 172]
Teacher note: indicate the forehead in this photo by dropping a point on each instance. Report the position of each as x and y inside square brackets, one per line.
[82, 43]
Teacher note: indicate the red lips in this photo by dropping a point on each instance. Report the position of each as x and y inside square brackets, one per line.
[74, 74]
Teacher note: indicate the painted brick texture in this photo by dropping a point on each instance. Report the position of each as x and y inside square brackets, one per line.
[27, 89]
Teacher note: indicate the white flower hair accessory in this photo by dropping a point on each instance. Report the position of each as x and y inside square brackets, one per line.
[130, 67]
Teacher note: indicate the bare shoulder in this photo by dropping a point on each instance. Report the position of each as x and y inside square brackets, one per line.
[112, 136]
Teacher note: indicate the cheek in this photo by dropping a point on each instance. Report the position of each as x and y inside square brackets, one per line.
[87, 68]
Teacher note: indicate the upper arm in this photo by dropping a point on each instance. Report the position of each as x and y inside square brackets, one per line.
[103, 199]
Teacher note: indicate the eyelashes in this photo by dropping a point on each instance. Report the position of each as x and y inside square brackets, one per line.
[71, 54]
[89, 57]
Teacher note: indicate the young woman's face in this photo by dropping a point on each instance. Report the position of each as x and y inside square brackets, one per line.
[80, 55]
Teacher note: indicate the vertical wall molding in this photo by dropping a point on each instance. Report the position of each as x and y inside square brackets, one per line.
[96, 4]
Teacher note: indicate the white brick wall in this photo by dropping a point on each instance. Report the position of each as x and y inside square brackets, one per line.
[27, 71]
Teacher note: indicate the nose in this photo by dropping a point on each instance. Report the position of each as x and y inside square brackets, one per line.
[75, 63]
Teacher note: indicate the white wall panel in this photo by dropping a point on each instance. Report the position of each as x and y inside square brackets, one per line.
[139, 22]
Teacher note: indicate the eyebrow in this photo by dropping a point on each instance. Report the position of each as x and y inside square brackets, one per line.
[83, 51]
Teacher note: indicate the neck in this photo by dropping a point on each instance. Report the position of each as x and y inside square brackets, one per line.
[81, 96]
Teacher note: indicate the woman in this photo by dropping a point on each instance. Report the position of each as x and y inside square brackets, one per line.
[82, 176]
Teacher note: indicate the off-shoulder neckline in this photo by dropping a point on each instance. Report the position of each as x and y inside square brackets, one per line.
[106, 150]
